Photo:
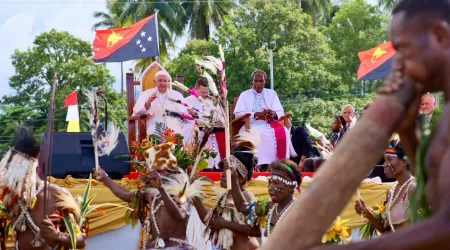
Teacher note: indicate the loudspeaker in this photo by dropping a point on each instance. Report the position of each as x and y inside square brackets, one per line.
[73, 154]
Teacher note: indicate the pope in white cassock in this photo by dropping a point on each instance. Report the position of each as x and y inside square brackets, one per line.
[216, 141]
[157, 102]
[265, 109]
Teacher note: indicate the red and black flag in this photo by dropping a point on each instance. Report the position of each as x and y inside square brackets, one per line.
[376, 63]
[140, 40]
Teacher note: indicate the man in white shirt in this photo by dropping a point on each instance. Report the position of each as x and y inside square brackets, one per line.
[203, 111]
[159, 102]
[265, 109]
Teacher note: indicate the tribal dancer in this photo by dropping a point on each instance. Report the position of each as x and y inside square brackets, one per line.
[161, 204]
[284, 179]
[226, 226]
[399, 196]
[23, 199]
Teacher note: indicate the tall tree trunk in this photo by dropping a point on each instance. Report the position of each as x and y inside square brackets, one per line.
[207, 32]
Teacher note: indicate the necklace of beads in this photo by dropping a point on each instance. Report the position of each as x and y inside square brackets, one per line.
[25, 218]
[393, 199]
[159, 241]
[280, 218]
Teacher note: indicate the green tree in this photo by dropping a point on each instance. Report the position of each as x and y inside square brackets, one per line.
[303, 62]
[318, 9]
[169, 25]
[69, 56]
[185, 63]
[110, 19]
[199, 15]
[320, 112]
[387, 4]
[357, 27]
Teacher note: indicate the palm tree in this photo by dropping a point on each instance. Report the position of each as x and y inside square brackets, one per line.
[109, 20]
[199, 15]
[318, 9]
[168, 27]
[387, 4]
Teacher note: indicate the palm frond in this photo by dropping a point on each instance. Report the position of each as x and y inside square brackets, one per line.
[71, 230]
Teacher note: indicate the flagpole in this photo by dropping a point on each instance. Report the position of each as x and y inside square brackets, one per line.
[121, 78]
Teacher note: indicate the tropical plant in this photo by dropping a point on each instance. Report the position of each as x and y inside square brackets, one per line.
[368, 231]
[387, 4]
[75, 212]
[304, 63]
[358, 26]
[110, 19]
[31, 84]
[318, 9]
[168, 28]
[199, 15]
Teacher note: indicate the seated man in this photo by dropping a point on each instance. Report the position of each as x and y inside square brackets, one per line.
[161, 105]
[216, 141]
[265, 109]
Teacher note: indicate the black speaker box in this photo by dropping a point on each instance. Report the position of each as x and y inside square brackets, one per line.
[73, 154]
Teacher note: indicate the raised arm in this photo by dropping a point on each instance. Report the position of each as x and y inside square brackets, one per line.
[240, 202]
[361, 208]
[201, 209]
[119, 191]
[173, 209]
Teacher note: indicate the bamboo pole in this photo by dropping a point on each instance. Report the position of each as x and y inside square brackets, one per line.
[338, 179]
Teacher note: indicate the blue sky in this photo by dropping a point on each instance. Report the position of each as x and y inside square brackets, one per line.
[22, 20]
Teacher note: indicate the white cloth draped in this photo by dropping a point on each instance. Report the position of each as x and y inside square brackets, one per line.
[251, 102]
[157, 111]
[194, 232]
[212, 143]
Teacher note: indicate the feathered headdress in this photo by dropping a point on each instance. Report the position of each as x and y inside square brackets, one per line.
[103, 144]
[249, 140]
[18, 171]
[178, 185]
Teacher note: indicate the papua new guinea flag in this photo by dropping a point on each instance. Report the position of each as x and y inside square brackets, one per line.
[140, 40]
[376, 63]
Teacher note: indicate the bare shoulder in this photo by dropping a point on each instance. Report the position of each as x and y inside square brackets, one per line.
[56, 190]
[248, 195]
[412, 186]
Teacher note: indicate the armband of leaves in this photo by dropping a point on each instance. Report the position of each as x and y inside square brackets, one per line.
[257, 212]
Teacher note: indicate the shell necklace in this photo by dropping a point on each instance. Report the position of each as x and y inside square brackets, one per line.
[393, 199]
[280, 217]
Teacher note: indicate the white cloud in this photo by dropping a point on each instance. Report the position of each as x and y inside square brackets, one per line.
[20, 22]
[16, 33]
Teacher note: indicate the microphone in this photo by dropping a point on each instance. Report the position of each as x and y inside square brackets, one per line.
[101, 92]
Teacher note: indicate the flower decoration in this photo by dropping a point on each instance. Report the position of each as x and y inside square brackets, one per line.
[338, 233]
[368, 231]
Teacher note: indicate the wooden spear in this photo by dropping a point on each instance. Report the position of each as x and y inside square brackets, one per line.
[338, 179]
[50, 124]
